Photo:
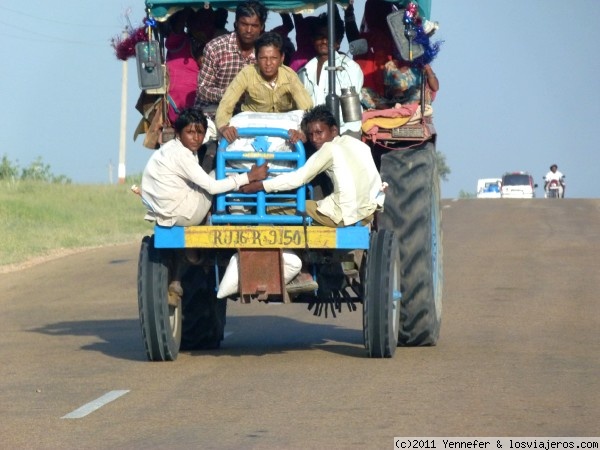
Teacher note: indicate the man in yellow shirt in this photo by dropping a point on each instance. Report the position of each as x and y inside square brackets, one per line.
[267, 86]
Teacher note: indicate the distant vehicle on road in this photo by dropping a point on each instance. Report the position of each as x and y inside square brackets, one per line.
[393, 269]
[517, 185]
[554, 189]
[488, 187]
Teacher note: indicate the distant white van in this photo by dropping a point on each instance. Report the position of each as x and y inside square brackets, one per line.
[488, 187]
[517, 185]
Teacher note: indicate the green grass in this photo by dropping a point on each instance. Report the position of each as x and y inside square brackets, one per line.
[37, 218]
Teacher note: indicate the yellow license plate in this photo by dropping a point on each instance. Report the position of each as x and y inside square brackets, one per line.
[260, 237]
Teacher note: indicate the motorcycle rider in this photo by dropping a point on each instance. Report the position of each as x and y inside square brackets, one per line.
[555, 175]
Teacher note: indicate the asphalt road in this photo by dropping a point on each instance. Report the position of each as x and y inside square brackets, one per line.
[518, 355]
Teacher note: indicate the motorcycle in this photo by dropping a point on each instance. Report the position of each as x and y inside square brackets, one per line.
[554, 189]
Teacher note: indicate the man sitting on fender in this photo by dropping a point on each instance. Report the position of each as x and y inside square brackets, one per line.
[357, 187]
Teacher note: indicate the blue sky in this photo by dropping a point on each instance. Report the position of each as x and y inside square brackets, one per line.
[520, 89]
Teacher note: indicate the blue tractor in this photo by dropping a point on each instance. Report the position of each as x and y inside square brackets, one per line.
[391, 268]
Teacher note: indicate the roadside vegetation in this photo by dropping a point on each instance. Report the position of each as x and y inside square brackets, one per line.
[443, 168]
[465, 194]
[42, 214]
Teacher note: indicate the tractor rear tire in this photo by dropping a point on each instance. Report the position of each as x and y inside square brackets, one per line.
[412, 210]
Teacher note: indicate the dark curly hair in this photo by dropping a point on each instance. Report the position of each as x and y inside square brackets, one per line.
[322, 22]
[269, 39]
[193, 115]
[320, 113]
[251, 9]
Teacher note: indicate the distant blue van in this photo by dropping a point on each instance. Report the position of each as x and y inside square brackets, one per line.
[488, 187]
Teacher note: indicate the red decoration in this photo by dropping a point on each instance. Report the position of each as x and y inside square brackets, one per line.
[125, 47]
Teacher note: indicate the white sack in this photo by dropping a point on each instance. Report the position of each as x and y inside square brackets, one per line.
[230, 282]
[288, 121]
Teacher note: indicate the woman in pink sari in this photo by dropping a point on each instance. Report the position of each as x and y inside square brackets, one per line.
[184, 53]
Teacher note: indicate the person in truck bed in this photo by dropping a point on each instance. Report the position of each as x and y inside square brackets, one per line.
[388, 80]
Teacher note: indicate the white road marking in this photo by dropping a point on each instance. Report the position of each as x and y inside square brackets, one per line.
[94, 405]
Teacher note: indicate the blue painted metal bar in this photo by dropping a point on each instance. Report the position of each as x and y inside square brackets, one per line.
[260, 201]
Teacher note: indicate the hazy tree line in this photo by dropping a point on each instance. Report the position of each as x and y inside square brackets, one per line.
[36, 171]
[442, 166]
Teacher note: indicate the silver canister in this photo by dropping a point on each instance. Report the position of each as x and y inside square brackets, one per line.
[350, 104]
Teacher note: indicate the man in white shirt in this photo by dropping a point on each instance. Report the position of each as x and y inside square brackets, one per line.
[357, 186]
[555, 175]
[175, 187]
[178, 191]
[315, 76]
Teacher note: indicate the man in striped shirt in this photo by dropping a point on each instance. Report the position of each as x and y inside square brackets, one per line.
[226, 55]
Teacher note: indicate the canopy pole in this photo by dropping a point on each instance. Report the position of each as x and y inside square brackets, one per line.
[122, 143]
[332, 100]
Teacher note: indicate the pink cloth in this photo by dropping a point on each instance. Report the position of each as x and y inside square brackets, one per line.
[300, 58]
[401, 111]
[183, 73]
[305, 49]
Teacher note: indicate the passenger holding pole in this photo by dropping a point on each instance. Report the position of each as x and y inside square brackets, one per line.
[348, 74]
